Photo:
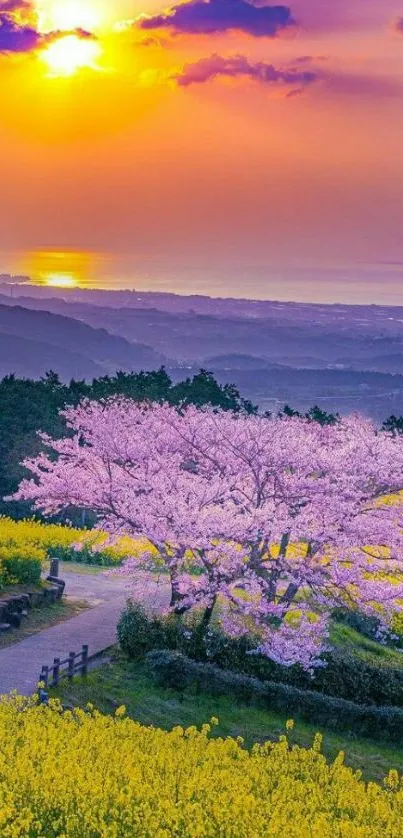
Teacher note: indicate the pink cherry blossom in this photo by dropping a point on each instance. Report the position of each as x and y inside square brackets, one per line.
[280, 517]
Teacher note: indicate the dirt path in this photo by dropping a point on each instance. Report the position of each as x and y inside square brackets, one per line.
[21, 663]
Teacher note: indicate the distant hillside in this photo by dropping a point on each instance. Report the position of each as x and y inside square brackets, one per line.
[374, 394]
[32, 359]
[238, 362]
[344, 358]
[386, 363]
[296, 336]
[105, 353]
[189, 338]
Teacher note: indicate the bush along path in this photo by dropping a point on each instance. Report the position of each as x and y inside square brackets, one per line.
[21, 663]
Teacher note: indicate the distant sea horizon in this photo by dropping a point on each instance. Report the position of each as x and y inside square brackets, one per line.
[379, 283]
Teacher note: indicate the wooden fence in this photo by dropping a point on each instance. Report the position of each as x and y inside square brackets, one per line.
[75, 664]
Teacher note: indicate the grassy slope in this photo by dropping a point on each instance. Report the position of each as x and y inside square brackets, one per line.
[352, 642]
[82, 569]
[119, 682]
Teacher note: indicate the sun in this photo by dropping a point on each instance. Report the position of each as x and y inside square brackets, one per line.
[70, 54]
[60, 280]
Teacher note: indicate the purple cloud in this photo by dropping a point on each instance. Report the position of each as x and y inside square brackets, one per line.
[295, 78]
[213, 16]
[398, 25]
[14, 6]
[238, 65]
[152, 41]
[15, 37]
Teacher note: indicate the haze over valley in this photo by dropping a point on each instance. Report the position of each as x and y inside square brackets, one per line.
[344, 358]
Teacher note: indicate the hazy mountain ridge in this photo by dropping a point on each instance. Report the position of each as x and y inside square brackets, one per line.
[191, 337]
[364, 317]
[343, 357]
[103, 352]
[33, 358]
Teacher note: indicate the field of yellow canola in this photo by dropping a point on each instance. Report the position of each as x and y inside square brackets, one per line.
[67, 543]
[77, 774]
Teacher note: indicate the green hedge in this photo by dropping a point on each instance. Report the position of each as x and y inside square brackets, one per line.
[345, 676]
[174, 670]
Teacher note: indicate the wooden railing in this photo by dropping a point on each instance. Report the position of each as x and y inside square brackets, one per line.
[75, 664]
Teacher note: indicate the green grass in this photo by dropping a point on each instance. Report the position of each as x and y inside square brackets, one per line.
[42, 618]
[120, 682]
[353, 642]
[83, 569]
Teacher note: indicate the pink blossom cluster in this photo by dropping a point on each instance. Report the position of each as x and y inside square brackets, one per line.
[280, 517]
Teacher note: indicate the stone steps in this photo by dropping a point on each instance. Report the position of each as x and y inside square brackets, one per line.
[15, 607]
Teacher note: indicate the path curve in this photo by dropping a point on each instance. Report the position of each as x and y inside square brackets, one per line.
[21, 663]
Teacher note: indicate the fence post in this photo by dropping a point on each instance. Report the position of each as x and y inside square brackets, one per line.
[84, 660]
[54, 568]
[70, 671]
[43, 697]
[56, 671]
[44, 677]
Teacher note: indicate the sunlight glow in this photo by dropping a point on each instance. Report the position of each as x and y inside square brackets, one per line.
[60, 280]
[70, 54]
[66, 15]
[63, 268]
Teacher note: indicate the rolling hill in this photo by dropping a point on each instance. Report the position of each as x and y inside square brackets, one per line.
[66, 345]
[33, 358]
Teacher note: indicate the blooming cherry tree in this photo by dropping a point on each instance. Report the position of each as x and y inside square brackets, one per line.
[282, 518]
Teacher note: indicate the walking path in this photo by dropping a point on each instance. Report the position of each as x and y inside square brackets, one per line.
[21, 663]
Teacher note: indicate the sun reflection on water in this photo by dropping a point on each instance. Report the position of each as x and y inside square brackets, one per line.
[62, 268]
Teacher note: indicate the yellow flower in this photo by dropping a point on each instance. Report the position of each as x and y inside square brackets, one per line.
[80, 773]
[120, 712]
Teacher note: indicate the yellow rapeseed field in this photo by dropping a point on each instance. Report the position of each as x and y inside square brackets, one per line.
[68, 543]
[85, 775]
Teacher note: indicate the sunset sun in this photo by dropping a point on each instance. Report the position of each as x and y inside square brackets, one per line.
[70, 54]
[60, 280]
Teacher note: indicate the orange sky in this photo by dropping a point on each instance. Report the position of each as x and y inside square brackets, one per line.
[125, 155]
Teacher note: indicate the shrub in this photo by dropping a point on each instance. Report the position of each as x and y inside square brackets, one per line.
[139, 631]
[146, 782]
[21, 565]
[171, 669]
[344, 676]
[397, 628]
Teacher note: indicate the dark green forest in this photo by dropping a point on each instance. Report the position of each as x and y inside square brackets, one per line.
[28, 406]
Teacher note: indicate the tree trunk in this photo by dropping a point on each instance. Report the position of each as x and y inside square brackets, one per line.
[208, 613]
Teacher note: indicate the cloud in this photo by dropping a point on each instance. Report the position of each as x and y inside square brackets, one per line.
[294, 79]
[15, 6]
[398, 25]
[213, 16]
[238, 65]
[152, 41]
[17, 38]
[19, 33]
[308, 59]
